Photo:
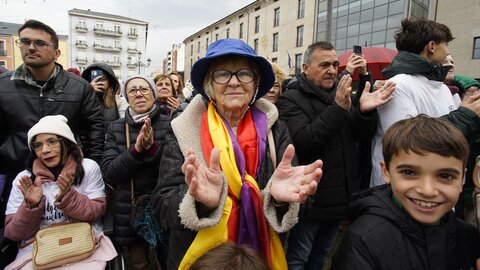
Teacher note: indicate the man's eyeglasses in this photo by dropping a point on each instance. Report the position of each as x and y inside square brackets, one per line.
[51, 143]
[326, 64]
[25, 42]
[224, 76]
[132, 92]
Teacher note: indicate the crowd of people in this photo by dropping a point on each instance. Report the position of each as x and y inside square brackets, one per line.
[244, 168]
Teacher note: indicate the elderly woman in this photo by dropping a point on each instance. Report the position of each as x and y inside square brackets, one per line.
[133, 164]
[58, 185]
[276, 89]
[219, 180]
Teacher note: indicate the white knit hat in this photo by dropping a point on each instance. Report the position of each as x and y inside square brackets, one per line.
[147, 79]
[51, 124]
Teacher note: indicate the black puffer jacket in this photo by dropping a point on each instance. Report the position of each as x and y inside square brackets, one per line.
[320, 129]
[22, 105]
[384, 236]
[119, 165]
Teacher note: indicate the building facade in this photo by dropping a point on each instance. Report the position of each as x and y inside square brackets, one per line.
[174, 62]
[8, 32]
[115, 40]
[462, 17]
[279, 30]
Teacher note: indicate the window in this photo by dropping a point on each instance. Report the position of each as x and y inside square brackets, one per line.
[301, 9]
[116, 29]
[476, 48]
[298, 63]
[98, 42]
[98, 25]
[191, 49]
[255, 45]
[228, 32]
[3, 63]
[276, 17]
[275, 42]
[257, 24]
[116, 44]
[3, 50]
[198, 47]
[133, 30]
[132, 45]
[300, 36]
[216, 37]
[116, 59]
[274, 60]
[240, 31]
[206, 43]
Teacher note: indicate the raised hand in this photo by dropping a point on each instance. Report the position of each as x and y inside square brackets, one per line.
[371, 100]
[173, 103]
[64, 183]
[145, 137]
[32, 192]
[344, 90]
[204, 184]
[294, 184]
[356, 61]
[98, 84]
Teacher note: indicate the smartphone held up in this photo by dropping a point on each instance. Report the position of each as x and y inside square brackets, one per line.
[357, 49]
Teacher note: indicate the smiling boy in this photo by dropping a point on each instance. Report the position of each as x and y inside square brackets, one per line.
[408, 223]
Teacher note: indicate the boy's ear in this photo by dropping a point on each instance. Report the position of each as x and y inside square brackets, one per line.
[385, 174]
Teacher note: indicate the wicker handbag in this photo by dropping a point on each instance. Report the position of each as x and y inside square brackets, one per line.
[62, 244]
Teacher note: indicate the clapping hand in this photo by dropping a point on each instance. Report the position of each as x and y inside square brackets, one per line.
[371, 100]
[145, 137]
[204, 184]
[173, 103]
[32, 192]
[344, 91]
[294, 184]
[64, 183]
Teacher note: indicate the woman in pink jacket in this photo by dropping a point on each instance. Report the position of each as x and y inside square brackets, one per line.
[59, 185]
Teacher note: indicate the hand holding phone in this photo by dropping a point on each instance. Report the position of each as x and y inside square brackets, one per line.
[95, 73]
[357, 49]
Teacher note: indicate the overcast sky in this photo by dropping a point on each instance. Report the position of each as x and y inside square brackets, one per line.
[170, 21]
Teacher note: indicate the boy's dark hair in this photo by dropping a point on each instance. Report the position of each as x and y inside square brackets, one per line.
[423, 134]
[415, 33]
[34, 24]
[322, 45]
[228, 256]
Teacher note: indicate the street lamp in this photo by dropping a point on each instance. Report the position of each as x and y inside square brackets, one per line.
[139, 63]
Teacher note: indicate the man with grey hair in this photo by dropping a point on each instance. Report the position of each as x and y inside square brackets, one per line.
[325, 122]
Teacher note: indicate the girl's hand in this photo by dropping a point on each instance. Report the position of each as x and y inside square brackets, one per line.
[32, 192]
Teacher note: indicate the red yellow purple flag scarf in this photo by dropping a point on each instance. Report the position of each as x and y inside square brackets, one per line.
[243, 220]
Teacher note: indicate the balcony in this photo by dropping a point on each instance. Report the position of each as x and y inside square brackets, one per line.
[81, 60]
[100, 47]
[105, 32]
[113, 63]
[81, 29]
[131, 50]
[3, 52]
[131, 65]
[81, 44]
[132, 35]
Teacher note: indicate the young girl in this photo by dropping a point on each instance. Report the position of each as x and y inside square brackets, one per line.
[58, 185]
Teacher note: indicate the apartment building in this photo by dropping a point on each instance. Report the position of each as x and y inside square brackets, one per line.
[8, 32]
[115, 40]
[174, 62]
[279, 30]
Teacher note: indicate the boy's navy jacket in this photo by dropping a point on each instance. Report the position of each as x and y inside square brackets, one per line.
[384, 236]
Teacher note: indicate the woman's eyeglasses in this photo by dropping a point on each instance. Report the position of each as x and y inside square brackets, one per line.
[224, 76]
[132, 92]
[51, 143]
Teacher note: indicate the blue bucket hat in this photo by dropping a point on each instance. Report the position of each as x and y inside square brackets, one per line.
[230, 46]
